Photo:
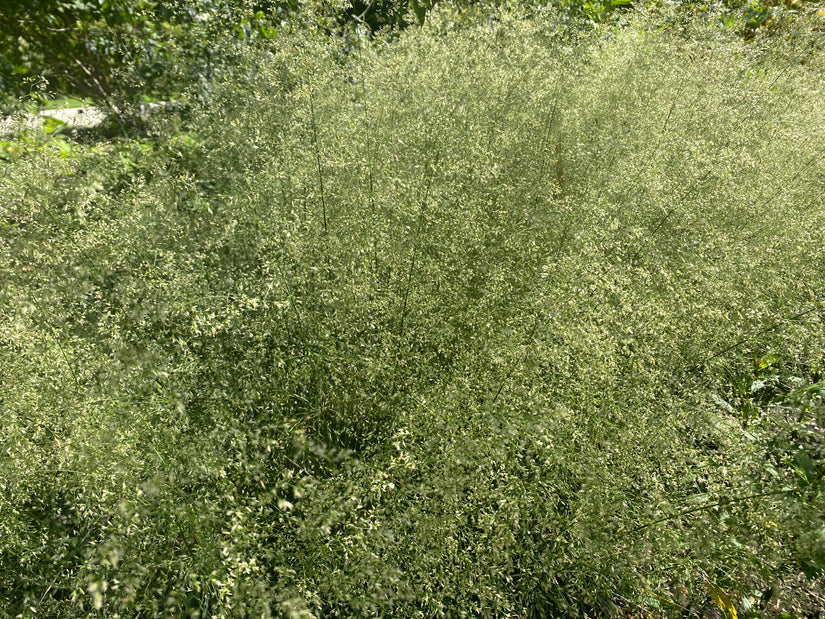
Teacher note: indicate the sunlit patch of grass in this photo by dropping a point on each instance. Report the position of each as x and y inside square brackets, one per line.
[372, 335]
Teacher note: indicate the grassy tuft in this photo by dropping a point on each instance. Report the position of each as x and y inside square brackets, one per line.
[479, 322]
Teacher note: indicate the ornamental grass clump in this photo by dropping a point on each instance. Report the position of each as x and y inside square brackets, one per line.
[481, 321]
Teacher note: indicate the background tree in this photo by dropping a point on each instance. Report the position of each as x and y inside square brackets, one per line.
[116, 52]
[82, 48]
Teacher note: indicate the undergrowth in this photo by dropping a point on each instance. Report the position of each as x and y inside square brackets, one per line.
[481, 322]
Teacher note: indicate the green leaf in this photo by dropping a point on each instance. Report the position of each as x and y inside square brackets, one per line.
[51, 124]
[804, 467]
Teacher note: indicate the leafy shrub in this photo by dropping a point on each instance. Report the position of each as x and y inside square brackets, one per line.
[118, 53]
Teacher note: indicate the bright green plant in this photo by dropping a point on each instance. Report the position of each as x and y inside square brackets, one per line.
[371, 335]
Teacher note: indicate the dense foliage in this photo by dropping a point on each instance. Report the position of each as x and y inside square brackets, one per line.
[488, 321]
[120, 52]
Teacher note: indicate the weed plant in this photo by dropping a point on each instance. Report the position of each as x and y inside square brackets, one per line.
[481, 322]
